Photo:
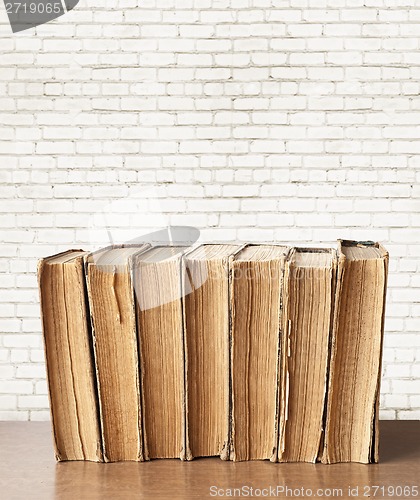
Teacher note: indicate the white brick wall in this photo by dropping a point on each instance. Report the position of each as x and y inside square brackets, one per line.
[288, 120]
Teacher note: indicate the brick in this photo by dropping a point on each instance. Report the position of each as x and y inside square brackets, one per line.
[36, 401]
[7, 402]
[15, 387]
[405, 386]
[40, 416]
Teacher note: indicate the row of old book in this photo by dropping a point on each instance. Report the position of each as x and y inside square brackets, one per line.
[242, 352]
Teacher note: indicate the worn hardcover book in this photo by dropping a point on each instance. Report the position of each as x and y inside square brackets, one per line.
[309, 286]
[69, 357]
[206, 331]
[256, 273]
[112, 307]
[157, 287]
[252, 352]
[352, 431]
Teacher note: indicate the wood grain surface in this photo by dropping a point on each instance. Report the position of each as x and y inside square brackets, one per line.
[28, 470]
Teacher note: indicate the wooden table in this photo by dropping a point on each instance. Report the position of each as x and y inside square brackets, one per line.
[28, 471]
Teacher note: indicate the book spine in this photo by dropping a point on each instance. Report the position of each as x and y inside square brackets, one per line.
[325, 457]
[375, 430]
[93, 450]
[40, 272]
[333, 277]
[230, 455]
[186, 453]
[142, 456]
[95, 360]
[274, 456]
[225, 449]
[79, 263]
[284, 359]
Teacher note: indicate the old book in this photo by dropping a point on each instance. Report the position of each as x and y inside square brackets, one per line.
[309, 285]
[157, 284]
[352, 432]
[69, 357]
[206, 331]
[112, 307]
[256, 301]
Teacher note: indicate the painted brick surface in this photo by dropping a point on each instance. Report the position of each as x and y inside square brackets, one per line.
[287, 120]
